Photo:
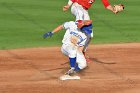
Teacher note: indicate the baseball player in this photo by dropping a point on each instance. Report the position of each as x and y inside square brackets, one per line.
[79, 8]
[73, 44]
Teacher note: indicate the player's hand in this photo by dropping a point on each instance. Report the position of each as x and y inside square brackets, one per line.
[118, 8]
[48, 34]
[114, 11]
[65, 8]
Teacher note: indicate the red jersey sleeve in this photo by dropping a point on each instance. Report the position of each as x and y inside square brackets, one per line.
[106, 3]
[73, 0]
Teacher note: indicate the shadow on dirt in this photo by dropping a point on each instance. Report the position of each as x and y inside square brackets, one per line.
[101, 62]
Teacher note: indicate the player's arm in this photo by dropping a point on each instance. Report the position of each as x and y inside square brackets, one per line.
[112, 9]
[66, 25]
[49, 34]
[108, 6]
[66, 7]
[60, 27]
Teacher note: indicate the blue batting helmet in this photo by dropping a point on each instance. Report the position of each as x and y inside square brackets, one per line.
[87, 29]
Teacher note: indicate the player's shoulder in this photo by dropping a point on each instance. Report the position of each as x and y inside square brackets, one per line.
[70, 22]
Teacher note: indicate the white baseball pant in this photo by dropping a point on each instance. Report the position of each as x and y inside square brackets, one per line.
[72, 52]
[79, 12]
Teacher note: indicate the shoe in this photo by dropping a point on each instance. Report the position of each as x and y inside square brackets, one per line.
[70, 72]
[88, 60]
[68, 77]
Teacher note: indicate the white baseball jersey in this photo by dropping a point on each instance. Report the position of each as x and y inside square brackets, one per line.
[73, 30]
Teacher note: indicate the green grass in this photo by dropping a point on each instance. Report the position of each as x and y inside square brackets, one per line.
[23, 22]
[120, 28]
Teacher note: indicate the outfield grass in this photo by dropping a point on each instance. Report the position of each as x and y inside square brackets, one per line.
[23, 22]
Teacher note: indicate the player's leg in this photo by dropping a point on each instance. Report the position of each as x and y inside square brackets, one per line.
[89, 33]
[86, 15]
[85, 48]
[77, 11]
[81, 61]
[70, 51]
[87, 42]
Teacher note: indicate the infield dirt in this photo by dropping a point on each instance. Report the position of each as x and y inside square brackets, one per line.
[115, 68]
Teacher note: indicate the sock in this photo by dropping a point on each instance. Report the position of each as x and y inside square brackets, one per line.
[77, 68]
[72, 62]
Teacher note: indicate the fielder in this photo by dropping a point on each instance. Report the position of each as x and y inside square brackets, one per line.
[73, 44]
[79, 8]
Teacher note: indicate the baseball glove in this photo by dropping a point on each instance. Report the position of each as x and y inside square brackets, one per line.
[119, 7]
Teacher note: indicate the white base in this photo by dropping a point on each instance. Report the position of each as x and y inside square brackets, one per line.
[68, 77]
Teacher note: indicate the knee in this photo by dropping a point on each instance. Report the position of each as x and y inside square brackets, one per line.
[72, 54]
[82, 65]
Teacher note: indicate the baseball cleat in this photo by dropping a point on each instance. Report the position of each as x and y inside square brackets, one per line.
[88, 60]
[68, 77]
[70, 72]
